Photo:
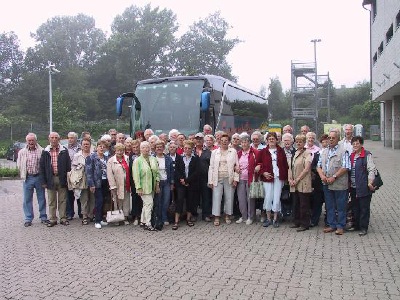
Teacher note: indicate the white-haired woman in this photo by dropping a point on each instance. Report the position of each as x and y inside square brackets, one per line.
[257, 139]
[310, 144]
[147, 181]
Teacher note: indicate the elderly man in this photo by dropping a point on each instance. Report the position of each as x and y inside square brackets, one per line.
[73, 148]
[54, 165]
[348, 135]
[28, 166]
[333, 166]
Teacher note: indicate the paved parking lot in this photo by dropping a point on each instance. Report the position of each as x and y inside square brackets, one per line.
[203, 262]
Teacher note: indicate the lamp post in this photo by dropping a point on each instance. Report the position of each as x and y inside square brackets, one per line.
[315, 41]
[52, 70]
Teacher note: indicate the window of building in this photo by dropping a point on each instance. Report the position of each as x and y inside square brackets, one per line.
[389, 34]
[374, 58]
[380, 48]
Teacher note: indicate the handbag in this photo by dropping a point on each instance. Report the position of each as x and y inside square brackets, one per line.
[115, 216]
[256, 190]
[378, 180]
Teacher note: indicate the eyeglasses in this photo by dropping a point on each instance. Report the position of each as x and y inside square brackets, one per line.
[331, 138]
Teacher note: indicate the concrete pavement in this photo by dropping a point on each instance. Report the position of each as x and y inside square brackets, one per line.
[203, 262]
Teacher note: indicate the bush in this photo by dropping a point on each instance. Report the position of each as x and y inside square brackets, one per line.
[8, 172]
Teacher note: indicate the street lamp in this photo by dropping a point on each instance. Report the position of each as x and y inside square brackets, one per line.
[52, 70]
[315, 41]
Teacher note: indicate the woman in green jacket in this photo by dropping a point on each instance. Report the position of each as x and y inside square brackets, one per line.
[147, 180]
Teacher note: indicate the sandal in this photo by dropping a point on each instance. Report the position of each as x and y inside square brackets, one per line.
[65, 223]
[149, 228]
[228, 220]
[85, 221]
[51, 224]
[216, 223]
[175, 226]
[189, 223]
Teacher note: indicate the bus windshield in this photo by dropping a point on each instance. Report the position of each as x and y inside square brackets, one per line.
[171, 104]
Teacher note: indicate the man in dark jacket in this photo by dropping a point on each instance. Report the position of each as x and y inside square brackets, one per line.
[54, 165]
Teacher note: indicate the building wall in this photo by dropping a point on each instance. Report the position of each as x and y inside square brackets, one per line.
[385, 17]
[385, 68]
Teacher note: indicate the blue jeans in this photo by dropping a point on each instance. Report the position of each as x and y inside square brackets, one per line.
[336, 201]
[31, 183]
[162, 201]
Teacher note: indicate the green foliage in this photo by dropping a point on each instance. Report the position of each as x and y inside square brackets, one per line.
[8, 172]
[204, 48]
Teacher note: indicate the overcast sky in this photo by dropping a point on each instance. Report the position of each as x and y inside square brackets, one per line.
[273, 32]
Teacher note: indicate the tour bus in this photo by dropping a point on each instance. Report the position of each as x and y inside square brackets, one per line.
[187, 103]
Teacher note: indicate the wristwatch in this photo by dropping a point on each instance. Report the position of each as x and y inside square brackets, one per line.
[334, 176]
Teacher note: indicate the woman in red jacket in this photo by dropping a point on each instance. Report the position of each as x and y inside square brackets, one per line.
[273, 168]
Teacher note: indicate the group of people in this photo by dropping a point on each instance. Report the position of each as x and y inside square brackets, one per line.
[157, 181]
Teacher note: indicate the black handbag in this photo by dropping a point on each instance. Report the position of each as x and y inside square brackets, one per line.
[378, 180]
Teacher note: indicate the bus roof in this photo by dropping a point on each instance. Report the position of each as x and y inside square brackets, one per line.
[213, 80]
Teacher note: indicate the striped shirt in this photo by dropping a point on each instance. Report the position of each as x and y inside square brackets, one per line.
[331, 152]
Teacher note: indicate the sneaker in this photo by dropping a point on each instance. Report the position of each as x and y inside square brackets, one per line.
[249, 222]
[166, 223]
[45, 222]
[266, 223]
[362, 233]
[136, 222]
[97, 225]
[240, 221]
[102, 223]
[275, 224]
[28, 223]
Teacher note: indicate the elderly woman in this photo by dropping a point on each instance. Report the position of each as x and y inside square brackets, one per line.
[119, 180]
[128, 146]
[147, 181]
[300, 184]
[273, 167]
[152, 141]
[137, 202]
[96, 176]
[257, 139]
[247, 158]
[310, 143]
[162, 199]
[362, 177]
[173, 135]
[209, 142]
[317, 195]
[235, 142]
[223, 178]
[287, 141]
[80, 188]
[187, 170]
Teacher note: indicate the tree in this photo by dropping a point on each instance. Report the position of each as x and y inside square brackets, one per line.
[67, 41]
[140, 43]
[11, 59]
[279, 104]
[204, 48]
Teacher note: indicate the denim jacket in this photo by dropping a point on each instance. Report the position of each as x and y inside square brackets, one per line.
[93, 170]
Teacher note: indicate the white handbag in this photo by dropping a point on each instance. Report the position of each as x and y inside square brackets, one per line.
[114, 216]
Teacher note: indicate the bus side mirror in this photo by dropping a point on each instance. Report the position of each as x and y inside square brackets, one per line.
[120, 101]
[205, 101]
